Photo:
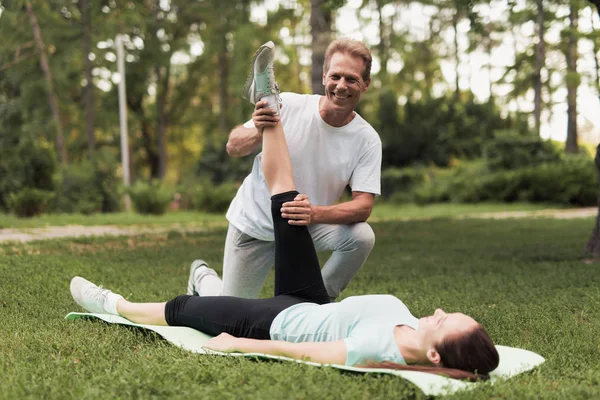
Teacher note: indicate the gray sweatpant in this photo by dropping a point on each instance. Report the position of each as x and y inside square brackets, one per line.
[247, 261]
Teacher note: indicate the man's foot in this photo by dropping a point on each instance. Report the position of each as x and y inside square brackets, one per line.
[198, 270]
[261, 80]
[93, 298]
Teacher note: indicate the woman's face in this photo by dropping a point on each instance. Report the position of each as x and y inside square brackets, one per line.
[440, 326]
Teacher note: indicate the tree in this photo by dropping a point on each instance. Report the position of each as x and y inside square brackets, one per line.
[321, 21]
[421, 69]
[531, 68]
[86, 46]
[572, 79]
[540, 60]
[482, 35]
[593, 245]
[52, 97]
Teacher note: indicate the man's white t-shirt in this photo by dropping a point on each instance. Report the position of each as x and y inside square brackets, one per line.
[325, 159]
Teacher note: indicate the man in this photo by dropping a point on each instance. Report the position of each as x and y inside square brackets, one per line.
[331, 146]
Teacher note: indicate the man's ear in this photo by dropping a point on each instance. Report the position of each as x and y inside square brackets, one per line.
[323, 78]
[434, 357]
[367, 84]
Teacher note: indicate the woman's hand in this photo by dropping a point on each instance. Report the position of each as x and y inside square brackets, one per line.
[224, 343]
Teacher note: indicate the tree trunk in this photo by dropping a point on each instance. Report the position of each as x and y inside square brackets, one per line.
[148, 144]
[572, 82]
[382, 46]
[540, 60]
[488, 50]
[88, 90]
[156, 149]
[455, 19]
[162, 80]
[593, 244]
[320, 28]
[52, 98]
[596, 64]
[223, 77]
[153, 157]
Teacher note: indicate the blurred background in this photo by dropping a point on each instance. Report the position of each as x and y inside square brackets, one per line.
[475, 101]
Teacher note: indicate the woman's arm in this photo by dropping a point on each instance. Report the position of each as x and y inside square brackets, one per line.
[321, 352]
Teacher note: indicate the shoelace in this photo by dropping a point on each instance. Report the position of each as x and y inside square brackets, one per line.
[102, 293]
[273, 85]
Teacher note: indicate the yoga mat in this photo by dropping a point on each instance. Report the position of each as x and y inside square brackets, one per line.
[513, 361]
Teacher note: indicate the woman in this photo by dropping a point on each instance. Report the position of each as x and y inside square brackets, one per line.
[299, 321]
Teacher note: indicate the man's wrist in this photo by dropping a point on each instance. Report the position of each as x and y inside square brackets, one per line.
[316, 214]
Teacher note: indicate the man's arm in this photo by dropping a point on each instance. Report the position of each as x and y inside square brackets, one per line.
[321, 352]
[243, 141]
[301, 212]
[356, 210]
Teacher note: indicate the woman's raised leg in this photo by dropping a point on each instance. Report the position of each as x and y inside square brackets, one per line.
[297, 269]
[276, 163]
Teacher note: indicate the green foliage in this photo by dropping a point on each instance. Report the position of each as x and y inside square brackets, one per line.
[509, 151]
[76, 192]
[30, 202]
[195, 101]
[24, 163]
[217, 166]
[400, 182]
[151, 197]
[571, 180]
[208, 197]
[435, 130]
[89, 187]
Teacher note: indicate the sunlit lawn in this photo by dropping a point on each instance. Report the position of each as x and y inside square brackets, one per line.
[381, 211]
[525, 280]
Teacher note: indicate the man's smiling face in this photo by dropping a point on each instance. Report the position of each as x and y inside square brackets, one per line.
[343, 82]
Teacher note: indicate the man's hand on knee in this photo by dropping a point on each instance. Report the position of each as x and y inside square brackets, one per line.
[298, 212]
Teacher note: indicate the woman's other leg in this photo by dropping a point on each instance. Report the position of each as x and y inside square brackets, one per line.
[297, 270]
[249, 318]
[97, 299]
[142, 313]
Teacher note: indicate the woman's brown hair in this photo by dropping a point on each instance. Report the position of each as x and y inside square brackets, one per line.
[468, 357]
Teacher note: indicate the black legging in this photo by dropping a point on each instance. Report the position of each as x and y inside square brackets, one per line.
[297, 280]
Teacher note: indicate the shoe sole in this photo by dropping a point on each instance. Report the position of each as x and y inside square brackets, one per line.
[250, 79]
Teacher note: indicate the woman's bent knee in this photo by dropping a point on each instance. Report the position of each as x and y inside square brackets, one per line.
[174, 310]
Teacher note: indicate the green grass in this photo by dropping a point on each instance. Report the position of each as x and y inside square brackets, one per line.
[525, 280]
[183, 218]
[193, 218]
[389, 211]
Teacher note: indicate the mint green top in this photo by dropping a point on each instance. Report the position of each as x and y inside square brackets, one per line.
[365, 323]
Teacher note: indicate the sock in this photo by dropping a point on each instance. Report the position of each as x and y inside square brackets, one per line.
[110, 305]
[210, 285]
[272, 100]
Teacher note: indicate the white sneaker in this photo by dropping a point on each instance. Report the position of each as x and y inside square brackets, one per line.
[88, 295]
[198, 270]
[261, 80]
